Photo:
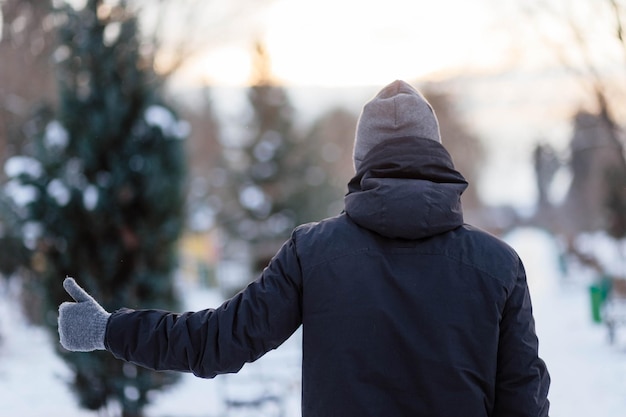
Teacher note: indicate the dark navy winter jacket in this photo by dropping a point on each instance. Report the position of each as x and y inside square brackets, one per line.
[405, 310]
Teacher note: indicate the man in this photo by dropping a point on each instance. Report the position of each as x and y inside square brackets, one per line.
[406, 310]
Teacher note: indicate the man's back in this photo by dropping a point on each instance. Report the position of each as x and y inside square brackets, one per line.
[406, 310]
[406, 327]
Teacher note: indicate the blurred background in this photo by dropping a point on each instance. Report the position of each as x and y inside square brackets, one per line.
[161, 152]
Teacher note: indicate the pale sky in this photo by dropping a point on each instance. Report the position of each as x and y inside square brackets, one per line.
[353, 42]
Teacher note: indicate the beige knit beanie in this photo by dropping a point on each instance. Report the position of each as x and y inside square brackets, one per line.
[398, 110]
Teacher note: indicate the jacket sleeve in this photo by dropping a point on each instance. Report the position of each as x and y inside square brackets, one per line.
[215, 341]
[522, 379]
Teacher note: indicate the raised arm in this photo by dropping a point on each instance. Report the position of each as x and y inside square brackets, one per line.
[211, 341]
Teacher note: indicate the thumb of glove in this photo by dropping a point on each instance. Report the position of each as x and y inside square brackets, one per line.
[77, 293]
[82, 324]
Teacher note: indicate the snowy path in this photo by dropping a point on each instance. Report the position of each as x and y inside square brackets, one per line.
[588, 374]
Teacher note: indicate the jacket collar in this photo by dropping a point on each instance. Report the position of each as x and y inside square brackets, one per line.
[406, 188]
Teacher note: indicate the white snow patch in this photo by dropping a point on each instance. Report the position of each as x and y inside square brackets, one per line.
[56, 136]
[181, 129]
[31, 232]
[608, 251]
[59, 192]
[539, 253]
[21, 194]
[18, 165]
[161, 117]
[91, 197]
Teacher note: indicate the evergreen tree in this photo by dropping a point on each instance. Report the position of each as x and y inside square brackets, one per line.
[328, 146]
[100, 197]
[272, 173]
[13, 254]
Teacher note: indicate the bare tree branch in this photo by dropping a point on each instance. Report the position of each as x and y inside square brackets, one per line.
[180, 30]
[619, 24]
[590, 73]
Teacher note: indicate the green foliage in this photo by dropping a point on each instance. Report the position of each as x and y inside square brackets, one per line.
[100, 197]
[13, 254]
[275, 177]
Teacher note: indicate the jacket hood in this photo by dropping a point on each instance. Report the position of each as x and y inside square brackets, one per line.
[406, 188]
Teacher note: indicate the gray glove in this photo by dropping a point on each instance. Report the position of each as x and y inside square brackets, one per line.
[82, 325]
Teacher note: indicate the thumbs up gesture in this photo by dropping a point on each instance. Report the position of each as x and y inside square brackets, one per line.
[82, 324]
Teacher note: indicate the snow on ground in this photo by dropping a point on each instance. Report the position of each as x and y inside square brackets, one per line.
[588, 373]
